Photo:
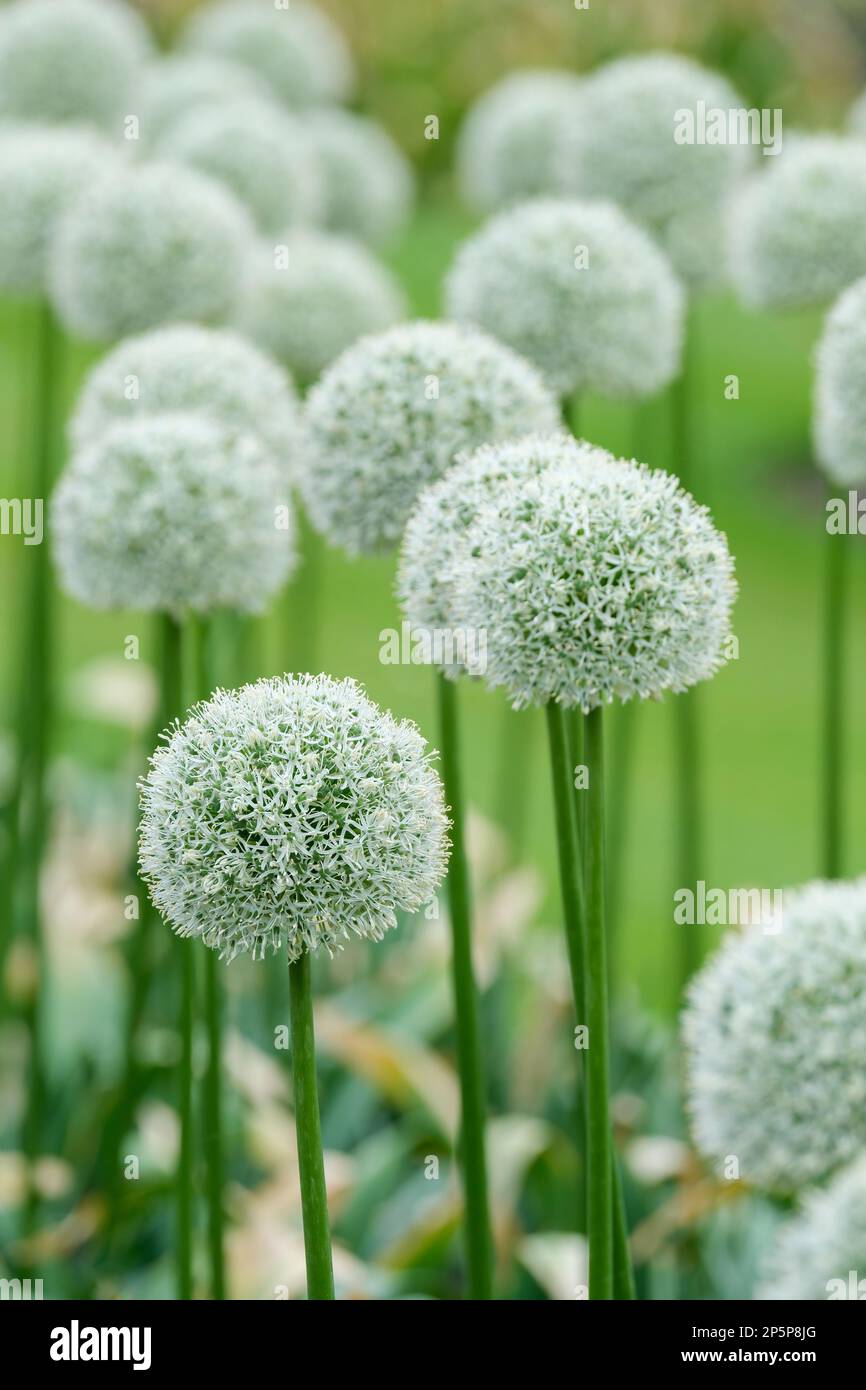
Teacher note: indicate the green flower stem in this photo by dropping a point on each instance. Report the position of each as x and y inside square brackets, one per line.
[302, 603]
[472, 1153]
[621, 765]
[212, 1124]
[835, 619]
[35, 714]
[314, 1199]
[601, 1157]
[686, 708]
[186, 961]
[570, 875]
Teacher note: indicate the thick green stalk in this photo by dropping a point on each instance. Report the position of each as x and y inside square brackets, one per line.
[469, 1060]
[186, 962]
[314, 1199]
[213, 1130]
[621, 761]
[570, 876]
[601, 1174]
[835, 616]
[35, 714]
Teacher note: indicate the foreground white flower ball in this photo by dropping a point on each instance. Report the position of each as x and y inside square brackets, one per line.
[172, 87]
[578, 289]
[368, 181]
[259, 152]
[775, 1032]
[172, 513]
[623, 148]
[325, 293]
[797, 228]
[149, 245]
[394, 410]
[815, 1250]
[593, 579]
[183, 368]
[70, 60]
[293, 814]
[298, 50]
[840, 390]
[42, 169]
[508, 146]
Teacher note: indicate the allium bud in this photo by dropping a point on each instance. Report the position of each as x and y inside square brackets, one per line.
[185, 369]
[259, 152]
[42, 169]
[368, 181]
[579, 289]
[819, 1253]
[840, 390]
[391, 414]
[312, 295]
[626, 148]
[70, 60]
[152, 244]
[172, 513]
[775, 1032]
[594, 579]
[796, 228]
[291, 814]
[174, 86]
[297, 49]
[508, 146]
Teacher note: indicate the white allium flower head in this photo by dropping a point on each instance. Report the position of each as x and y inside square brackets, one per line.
[624, 149]
[184, 368]
[259, 152]
[175, 514]
[507, 150]
[391, 414]
[368, 181]
[433, 548]
[42, 169]
[313, 295]
[70, 60]
[172, 87]
[840, 390]
[816, 1249]
[577, 288]
[797, 228]
[152, 244]
[593, 579]
[291, 814]
[297, 49]
[775, 1032]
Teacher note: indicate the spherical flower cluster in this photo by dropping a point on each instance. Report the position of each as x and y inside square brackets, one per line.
[796, 228]
[580, 290]
[42, 169]
[394, 410]
[368, 181]
[172, 513]
[69, 60]
[184, 368]
[315, 296]
[256, 150]
[174, 86]
[592, 578]
[433, 550]
[291, 813]
[296, 48]
[508, 146]
[146, 246]
[840, 390]
[625, 148]
[775, 1032]
[815, 1250]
